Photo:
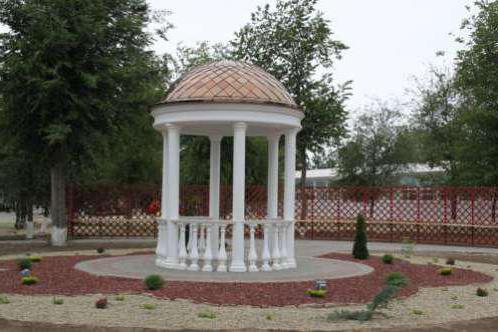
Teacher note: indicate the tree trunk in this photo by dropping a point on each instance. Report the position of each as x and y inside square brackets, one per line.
[58, 203]
[304, 194]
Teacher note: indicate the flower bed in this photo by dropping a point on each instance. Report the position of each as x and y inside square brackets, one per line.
[57, 276]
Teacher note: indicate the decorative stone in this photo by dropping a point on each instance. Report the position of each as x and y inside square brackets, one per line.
[25, 273]
[320, 284]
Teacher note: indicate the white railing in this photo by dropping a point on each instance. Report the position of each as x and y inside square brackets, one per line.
[202, 253]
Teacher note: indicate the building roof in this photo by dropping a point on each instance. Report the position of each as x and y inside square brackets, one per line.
[229, 81]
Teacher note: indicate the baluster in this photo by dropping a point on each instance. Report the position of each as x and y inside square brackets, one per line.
[162, 239]
[182, 255]
[253, 256]
[283, 246]
[202, 239]
[189, 244]
[208, 256]
[222, 253]
[266, 248]
[276, 252]
[194, 252]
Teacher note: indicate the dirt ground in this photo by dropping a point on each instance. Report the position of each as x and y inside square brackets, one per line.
[14, 247]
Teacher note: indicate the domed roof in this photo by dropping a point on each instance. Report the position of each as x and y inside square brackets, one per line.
[229, 82]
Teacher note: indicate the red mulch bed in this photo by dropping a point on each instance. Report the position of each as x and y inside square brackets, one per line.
[58, 277]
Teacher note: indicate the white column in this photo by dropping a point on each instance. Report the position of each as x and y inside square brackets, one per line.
[162, 239]
[239, 164]
[173, 194]
[214, 189]
[273, 176]
[290, 192]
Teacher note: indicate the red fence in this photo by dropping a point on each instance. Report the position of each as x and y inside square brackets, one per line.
[430, 215]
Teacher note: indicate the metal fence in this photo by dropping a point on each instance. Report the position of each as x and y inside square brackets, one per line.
[451, 215]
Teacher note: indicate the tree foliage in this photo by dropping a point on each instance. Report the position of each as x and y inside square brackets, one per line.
[71, 73]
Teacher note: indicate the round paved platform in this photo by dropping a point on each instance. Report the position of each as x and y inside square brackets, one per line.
[309, 268]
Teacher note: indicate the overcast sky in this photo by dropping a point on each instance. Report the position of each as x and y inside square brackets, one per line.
[390, 40]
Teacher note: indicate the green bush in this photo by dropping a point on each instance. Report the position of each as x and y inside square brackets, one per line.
[154, 282]
[149, 306]
[417, 312]
[388, 259]
[120, 297]
[35, 259]
[207, 314]
[316, 292]
[101, 303]
[396, 279]
[100, 250]
[457, 306]
[4, 299]
[57, 301]
[24, 263]
[481, 292]
[383, 297]
[445, 271]
[360, 250]
[29, 280]
[270, 316]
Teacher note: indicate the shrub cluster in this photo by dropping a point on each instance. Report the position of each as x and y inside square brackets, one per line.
[149, 306]
[207, 314]
[316, 292]
[388, 259]
[154, 282]
[396, 279]
[445, 271]
[57, 301]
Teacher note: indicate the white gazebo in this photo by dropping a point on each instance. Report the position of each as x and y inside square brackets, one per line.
[227, 98]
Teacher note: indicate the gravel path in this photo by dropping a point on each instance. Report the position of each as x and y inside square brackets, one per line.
[434, 303]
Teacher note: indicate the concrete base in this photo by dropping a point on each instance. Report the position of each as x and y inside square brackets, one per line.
[59, 236]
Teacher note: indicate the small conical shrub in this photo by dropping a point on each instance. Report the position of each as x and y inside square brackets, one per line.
[360, 250]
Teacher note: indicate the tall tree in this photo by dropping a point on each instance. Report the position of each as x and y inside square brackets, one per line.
[378, 149]
[477, 83]
[71, 72]
[294, 42]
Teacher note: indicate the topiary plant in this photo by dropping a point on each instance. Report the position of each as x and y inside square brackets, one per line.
[154, 282]
[360, 250]
[388, 259]
[24, 264]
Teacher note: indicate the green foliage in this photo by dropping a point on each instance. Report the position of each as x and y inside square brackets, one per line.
[294, 42]
[119, 297]
[445, 271]
[316, 292]
[482, 292]
[100, 250]
[34, 259]
[388, 259]
[457, 306]
[207, 314]
[29, 280]
[396, 279]
[72, 74]
[154, 282]
[382, 299]
[101, 303]
[378, 148]
[57, 301]
[360, 250]
[270, 316]
[24, 263]
[4, 299]
[417, 312]
[149, 306]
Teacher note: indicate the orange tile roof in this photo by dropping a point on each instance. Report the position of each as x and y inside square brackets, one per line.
[229, 82]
